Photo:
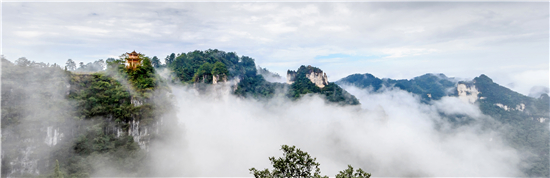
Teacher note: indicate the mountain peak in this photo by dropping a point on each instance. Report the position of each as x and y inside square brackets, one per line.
[483, 78]
[314, 74]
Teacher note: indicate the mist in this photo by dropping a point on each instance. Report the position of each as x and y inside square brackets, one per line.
[390, 134]
[215, 133]
[36, 117]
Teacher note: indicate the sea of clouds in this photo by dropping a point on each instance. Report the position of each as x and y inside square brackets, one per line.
[390, 134]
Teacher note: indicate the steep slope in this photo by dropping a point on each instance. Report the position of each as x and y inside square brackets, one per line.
[196, 68]
[524, 119]
[88, 122]
[313, 80]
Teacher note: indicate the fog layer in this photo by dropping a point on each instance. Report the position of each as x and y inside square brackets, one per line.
[390, 134]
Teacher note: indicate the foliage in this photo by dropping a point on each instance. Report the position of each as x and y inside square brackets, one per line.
[297, 163]
[192, 66]
[294, 163]
[201, 67]
[87, 107]
[95, 66]
[106, 99]
[219, 69]
[332, 92]
[522, 129]
[266, 73]
[101, 95]
[155, 62]
[204, 73]
[169, 59]
[257, 87]
[57, 173]
[348, 173]
[70, 65]
[33, 95]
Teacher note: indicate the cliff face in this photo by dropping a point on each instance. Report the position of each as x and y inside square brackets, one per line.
[290, 77]
[319, 79]
[217, 78]
[467, 93]
[315, 75]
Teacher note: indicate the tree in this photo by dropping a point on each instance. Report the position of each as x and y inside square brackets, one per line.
[348, 173]
[155, 61]
[219, 69]
[99, 65]
[70, 65]
[22, 62]
[297, 163]
[57, 173]
[205, 70]
[169, 59]
[294, 163]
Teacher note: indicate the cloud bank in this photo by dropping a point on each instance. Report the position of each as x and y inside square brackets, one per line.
[390, 134]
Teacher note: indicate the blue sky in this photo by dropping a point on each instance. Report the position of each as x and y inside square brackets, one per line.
[508, 41]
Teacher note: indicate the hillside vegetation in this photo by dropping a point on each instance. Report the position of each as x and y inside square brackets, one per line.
[524, 119]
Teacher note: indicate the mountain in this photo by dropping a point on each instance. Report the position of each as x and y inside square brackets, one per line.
[524, 118]
[83, 120]
[313, 80]
[196, 67]
[107, 119]
[428, 86]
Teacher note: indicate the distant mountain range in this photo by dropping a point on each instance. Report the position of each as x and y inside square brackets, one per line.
[525, 118]
[491, 96]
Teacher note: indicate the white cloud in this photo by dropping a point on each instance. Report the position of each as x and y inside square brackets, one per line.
[525, 80]
[28, 34]
[458, 39]
[279, 28]
[87, 30]
[404, 52]
[334, 28]
[392, 134]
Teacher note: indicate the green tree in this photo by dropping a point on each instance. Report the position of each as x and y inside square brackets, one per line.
[294, 163]
[23, 62]
[169, 59]
[204, 72]
[57, 173]
[155, 61]
[71, 65]
[348, 173]
[219, 69]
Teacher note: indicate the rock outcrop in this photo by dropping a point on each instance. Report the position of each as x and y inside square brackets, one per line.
[467, 93]
[315, 75]
[319, 79]
[290, 76]
[218, 78]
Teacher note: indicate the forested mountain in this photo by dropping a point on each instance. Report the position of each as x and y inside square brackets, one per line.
[70, 120]
[525, 119]
[81, 120]
[302, 83]
[213, 66]
[100, 118]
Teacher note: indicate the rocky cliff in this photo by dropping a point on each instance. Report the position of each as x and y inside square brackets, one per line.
[467, 93]
[315, 75]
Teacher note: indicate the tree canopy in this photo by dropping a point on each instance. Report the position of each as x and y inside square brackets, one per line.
[299, 164]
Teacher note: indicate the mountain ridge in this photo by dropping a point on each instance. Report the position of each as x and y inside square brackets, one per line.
[526, 119]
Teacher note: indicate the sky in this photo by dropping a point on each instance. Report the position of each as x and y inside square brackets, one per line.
[508, 41]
